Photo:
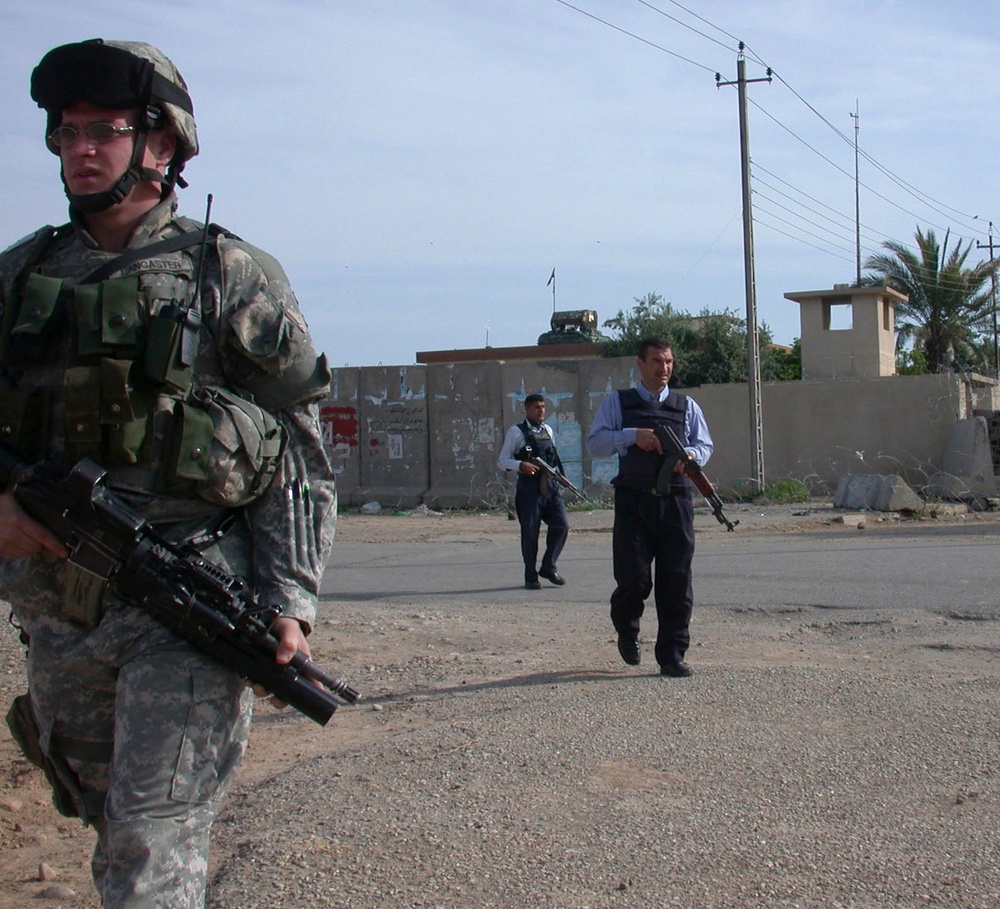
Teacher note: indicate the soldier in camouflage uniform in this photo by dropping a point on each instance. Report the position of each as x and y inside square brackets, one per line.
[175, 356]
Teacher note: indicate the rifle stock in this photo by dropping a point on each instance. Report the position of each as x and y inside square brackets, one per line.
[193, 597]
[674, 450]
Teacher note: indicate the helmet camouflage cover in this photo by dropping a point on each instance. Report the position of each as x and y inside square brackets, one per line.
[120, 75]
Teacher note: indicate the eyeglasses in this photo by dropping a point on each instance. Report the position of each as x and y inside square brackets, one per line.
[98, 133]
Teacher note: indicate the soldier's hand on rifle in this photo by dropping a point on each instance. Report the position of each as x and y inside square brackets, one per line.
[20, 536]
[647, 441]
[528, 468]
[291, 640]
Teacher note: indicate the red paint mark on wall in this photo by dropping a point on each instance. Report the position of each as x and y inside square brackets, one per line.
[340, 425]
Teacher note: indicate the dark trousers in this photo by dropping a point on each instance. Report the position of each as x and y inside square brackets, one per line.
[647, 529]
[533, 507]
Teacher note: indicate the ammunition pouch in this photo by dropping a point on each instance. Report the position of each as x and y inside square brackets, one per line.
[226, 445]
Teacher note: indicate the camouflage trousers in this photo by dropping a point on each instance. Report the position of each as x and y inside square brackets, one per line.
[138, 715]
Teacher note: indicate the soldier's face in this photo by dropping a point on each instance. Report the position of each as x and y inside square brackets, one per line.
[535, 411]
[91, 167]
[656, 368]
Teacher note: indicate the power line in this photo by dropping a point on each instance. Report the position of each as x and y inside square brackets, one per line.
[924, 198]
[794, 214]
[921, 196]
[798, 239]
[837, 167]
[799, 227]
[877, 239]
[685, 25]
[646, 41]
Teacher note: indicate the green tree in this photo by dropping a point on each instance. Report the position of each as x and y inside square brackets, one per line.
[949, 311]
[780, 365]
[650, 316]
[709, 348]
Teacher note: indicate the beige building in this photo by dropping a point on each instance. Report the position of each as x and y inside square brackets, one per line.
[848, 332]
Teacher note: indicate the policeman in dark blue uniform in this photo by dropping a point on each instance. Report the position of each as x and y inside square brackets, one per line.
[536, 499]
[651, 526]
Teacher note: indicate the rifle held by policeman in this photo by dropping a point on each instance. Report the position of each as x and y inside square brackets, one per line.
[193, 597]
[675, 451]
[553, 474]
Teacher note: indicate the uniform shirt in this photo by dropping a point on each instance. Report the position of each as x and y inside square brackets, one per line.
[513, 442]
[607, 437]
[281, 547]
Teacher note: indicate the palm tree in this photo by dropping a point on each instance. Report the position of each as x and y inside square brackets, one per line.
[949, 307]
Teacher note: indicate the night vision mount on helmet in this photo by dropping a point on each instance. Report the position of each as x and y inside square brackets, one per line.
[120, 75]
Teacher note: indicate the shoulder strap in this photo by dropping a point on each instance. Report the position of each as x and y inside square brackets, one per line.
[529, 440]
[17, 260]
[629, 397]
[172, 244]
[676, 401]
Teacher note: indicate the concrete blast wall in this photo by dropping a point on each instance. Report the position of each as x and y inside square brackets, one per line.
[409, 435]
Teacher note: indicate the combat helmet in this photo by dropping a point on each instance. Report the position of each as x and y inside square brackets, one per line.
[121, 75]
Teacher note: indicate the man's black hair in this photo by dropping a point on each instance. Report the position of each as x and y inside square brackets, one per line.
[534, 399]
[653, 343]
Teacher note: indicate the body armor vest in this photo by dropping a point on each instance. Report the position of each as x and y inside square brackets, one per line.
[107, 370]
[638, 469]
[537, 444]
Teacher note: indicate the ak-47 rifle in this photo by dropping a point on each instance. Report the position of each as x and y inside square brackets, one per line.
[675, 451]
[552, 473]
[193, 597]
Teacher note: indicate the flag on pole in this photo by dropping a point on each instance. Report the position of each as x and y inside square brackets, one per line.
[552, 277]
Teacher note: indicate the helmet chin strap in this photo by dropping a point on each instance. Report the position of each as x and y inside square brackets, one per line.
[91, 203]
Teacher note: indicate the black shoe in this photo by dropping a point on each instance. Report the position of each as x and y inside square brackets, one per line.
[676, 669]
[628, 647]
[533, 585]
[550, 574]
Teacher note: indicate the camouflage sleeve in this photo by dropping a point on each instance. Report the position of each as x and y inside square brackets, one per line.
[293, 523]
[267, 353]
[265, 339]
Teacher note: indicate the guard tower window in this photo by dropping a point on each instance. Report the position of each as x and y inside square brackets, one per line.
[838, 316]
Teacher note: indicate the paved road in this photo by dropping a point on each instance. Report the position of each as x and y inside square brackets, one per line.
[938, 568]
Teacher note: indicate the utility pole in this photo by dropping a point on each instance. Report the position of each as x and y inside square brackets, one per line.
[753, 335]
[993, 297]
[857, 194]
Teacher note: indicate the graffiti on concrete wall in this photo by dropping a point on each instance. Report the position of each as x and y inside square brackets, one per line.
[468, 437]
[386, 431]
[339, 424]
[404, 393]
[402, 415]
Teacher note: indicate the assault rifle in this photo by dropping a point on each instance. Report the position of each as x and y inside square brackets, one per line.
[552, 474]
[193, 597]
[675, 452]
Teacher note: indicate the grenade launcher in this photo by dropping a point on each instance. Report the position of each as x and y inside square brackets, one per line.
[193, 597]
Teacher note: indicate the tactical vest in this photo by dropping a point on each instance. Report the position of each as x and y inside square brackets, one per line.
[638, 469]
[537, 444]
[104, 368]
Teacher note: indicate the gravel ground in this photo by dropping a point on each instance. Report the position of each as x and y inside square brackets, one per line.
[504, 757]
[743, 786]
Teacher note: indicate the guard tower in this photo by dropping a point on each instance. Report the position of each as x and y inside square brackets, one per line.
[848, 332]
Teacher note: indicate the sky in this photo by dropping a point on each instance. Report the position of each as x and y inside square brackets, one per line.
[420, 167]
